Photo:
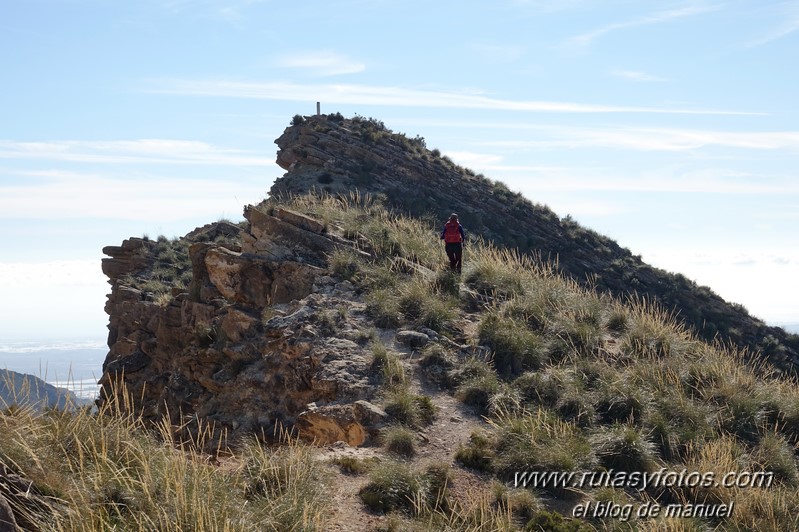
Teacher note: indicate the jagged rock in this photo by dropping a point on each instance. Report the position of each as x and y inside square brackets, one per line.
[132, 256]
[238, 324]
[22, 504]
[413, 339]
[300, 220]
[370, 416]
[208, 354]
[7, 521]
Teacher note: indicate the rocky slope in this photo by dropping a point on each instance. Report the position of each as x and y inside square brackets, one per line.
[336, 155]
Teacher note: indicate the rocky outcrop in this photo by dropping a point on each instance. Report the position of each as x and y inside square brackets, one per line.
[259, 333]
[336, 155]
[22, 504]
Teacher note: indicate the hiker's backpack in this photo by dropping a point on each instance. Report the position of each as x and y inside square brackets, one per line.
[452, 233]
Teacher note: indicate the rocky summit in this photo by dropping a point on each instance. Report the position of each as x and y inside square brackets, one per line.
[244, 328]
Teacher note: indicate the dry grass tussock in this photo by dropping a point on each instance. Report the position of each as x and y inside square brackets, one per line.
[108, 471]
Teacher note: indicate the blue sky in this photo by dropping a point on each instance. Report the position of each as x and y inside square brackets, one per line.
[672, 127]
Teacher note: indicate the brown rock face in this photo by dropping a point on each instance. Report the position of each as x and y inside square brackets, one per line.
[256, 336]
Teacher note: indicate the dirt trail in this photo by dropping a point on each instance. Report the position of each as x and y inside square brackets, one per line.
[436, 444]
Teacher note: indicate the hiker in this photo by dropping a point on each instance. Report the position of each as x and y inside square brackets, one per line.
[453, 237]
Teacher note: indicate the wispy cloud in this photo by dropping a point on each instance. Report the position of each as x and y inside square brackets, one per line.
[499, 53]
[652, 139]
[709, 181]
[788, 14]
[474, 160]
[322, 63]
[397, 96]
[634, 75]
[656, 17]
[161, 151]
[224, 9]
[147, 198]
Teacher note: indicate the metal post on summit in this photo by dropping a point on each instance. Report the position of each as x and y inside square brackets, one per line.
[318, 108]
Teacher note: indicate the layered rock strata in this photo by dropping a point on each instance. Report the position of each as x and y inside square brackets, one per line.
[248, 346]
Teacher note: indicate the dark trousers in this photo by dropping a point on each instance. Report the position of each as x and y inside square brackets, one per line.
[455, 254]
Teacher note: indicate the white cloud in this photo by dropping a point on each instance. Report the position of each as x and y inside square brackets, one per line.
[161, 151]
[147, 198]
[396, 96]
[634, 75]
[761, 283]
[656, 17]
[322, 63]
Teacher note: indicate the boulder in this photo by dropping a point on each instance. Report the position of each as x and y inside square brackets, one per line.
[330, 424]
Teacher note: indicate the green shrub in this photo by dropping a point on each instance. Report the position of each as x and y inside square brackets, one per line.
[437, 364]
[477, 391]
[575, 407]
[392, 486]
[539, 387]
[350, 465]
[539, 441]
[621, 402]
[409, 409]
[623, 448]
[388, 365]
[776, 455]
[399, 440]
[343, 264]
[555, 522]
[516, 348]
[477, 454]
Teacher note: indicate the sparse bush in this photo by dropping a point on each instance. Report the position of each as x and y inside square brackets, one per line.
[394, 486]
[399, 440]
[477, 391]
[409, 409]
[388, 365]
[515, 347]
[477, 454]
[437, 364]
[623, 448]
[351, 465]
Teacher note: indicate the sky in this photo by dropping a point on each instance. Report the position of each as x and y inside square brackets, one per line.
[670, 126]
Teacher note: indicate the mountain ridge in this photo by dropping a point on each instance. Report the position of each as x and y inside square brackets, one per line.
[334, 155]
[24, 390]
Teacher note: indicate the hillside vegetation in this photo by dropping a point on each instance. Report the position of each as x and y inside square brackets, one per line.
[568, 379]
[337, 155]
